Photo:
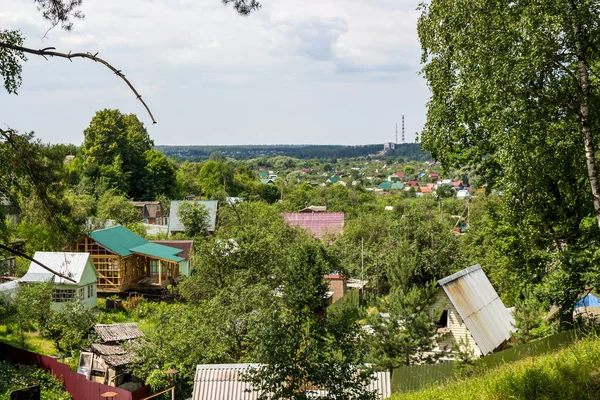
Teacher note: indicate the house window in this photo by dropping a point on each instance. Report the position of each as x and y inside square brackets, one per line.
[443, 321]
[90, 290]
[80, 294]
[63, 295]
[154, 267]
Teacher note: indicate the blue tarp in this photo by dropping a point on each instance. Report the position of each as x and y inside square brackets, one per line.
[588, 301]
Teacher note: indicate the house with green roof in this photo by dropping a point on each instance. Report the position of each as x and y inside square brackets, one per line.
[385, 185]
[397, 186]
[125, 260]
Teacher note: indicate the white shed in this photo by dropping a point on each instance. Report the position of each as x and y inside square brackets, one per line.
[472, 311]
[77, 266]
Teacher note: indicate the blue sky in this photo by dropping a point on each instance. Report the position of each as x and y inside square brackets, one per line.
[295, 72]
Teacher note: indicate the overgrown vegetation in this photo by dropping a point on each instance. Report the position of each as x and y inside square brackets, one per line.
[18, 377]
[570, 373]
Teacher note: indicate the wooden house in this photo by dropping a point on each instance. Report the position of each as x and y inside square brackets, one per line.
[471, 312]
[151, 212]
[125, 260]
[77, 266]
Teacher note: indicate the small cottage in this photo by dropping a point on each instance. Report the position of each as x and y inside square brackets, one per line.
[471, 311]
[125, 260]
[106, 362]
[319, 224]
[77, 266]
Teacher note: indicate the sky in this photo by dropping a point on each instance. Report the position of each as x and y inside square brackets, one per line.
[294, 72]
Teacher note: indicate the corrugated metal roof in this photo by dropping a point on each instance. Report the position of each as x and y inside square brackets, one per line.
[225, 382]
[9, 287]
[185, 246]
[118, 239]
[124, 242]
[480, 307]
[175, 225]
[158, 251]
[319, 224]
[68, 264]
[118, 332]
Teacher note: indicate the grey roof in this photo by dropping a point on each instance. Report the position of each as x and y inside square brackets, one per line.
[112, 354]
[118, 332]
[69, 264]
[225, 382]
[9, 287]
[175, 225]
[480, 307]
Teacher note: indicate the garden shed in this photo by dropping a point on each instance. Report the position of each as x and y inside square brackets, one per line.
[472, 312]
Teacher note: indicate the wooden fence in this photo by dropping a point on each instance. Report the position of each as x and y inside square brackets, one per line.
[416, 377]
[75, 384]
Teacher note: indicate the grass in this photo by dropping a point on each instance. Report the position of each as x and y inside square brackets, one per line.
[571, 373]
[9, 334]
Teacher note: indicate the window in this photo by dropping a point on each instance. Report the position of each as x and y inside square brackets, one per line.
[443, 322]
[80, 293]
[153, 267]
[90, 290]
[63, 295]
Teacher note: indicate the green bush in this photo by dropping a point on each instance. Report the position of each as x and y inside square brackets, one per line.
[21, 376]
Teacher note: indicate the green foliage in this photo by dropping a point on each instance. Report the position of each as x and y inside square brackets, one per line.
[19, 377]
[117, 207]
[114, 152]
[10, 60]
[530, 319]
[195, 218]
[445, 191]
[566, 374]
[159, 176]
[68, 327]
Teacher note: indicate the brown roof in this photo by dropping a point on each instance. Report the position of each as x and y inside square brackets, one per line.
[150, 209]
[184, 245]
[118, 332]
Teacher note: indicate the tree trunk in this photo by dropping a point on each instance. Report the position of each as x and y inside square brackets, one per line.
[584, 116]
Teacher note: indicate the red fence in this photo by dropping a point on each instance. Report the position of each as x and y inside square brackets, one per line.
[76, 384]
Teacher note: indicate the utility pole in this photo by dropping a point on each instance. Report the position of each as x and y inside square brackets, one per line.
[403, 137]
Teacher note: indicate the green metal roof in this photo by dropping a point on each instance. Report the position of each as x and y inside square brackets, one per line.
[158, 251]
[385, 185]
[398, 185]
[118, 239]
[266, 181]
[124, 242]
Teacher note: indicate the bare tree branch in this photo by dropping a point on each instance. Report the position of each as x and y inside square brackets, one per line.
[48, 51]
[18, 253]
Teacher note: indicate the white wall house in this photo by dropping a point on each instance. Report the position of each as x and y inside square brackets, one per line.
[473, 312]
[77, 266]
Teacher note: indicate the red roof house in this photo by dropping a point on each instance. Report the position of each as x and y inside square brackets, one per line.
[434, 176]
[319, 224]
[412, 183]
[399, 175]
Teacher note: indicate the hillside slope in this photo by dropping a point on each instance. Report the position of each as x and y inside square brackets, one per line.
[571, 373]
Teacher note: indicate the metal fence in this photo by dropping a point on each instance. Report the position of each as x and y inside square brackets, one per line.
[75, 384]
[416, 377]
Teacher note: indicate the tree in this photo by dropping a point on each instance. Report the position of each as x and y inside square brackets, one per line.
[445, 191]
[116, 144]
[532, 63]
[406, 335]
[114, 206]
[298, 348]
[195, 218]
[215, 176]
[68, 326]
[514, 96]
[159, 176]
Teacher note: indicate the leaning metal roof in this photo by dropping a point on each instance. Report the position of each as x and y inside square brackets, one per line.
[225, 382]
[480, 307]
[175, 225]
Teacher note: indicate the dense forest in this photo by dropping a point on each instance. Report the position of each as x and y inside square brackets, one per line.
[408, 151]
